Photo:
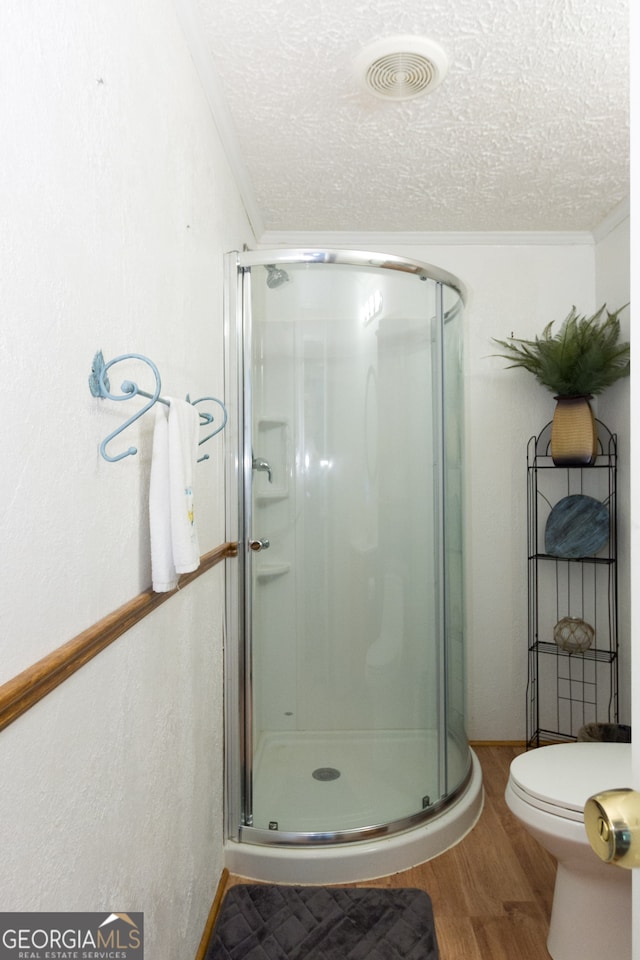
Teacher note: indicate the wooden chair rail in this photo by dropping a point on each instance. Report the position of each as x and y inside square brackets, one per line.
[34, 683]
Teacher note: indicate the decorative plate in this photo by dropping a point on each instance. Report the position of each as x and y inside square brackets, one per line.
[578, 526]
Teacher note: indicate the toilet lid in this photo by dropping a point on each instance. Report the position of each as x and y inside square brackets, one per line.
[562, 777]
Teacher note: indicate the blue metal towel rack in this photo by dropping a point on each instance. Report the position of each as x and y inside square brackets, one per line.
[100, 387]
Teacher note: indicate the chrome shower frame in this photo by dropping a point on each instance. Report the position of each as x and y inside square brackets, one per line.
[238, 655]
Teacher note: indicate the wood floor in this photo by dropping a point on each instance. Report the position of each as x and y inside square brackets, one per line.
[492, 892]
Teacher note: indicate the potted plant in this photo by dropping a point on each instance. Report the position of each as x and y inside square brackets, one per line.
[579, 361]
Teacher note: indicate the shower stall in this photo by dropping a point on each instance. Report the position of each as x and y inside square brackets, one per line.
[346, 749]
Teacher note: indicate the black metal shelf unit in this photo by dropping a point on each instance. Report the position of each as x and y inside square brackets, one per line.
[573, 599]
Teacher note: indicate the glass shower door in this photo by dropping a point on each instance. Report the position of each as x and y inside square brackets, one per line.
[343, 491]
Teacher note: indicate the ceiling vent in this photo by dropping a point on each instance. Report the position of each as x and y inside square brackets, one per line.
[401, 68]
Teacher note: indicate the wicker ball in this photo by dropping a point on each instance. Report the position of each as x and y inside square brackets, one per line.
[573, 634]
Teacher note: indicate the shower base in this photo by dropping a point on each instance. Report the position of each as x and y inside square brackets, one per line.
[378, 776]
[333, 781]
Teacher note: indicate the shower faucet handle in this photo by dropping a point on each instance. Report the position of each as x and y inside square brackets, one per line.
[261, 544]
[258, 463]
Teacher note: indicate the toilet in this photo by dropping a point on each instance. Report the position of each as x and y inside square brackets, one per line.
[547, 791]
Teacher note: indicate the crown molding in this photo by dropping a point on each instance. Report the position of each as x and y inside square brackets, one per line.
[613, 219]
[328, 238]
[194, 35]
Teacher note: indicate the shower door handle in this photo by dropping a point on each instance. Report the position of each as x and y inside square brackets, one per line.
[262, 544]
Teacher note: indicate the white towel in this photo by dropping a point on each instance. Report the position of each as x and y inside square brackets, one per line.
[163, 571]
[174, 539]
[183, 449]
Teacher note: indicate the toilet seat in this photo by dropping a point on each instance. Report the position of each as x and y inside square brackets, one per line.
[559, 779]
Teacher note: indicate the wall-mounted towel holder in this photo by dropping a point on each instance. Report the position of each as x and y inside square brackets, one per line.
[100, 387]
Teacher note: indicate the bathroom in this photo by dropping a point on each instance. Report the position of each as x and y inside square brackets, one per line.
[123, 203]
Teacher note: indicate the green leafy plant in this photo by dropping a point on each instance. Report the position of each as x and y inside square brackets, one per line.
[583, 358]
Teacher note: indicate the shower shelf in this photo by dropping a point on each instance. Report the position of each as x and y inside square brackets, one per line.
[275, 497]
[272, 423]
[269, 571]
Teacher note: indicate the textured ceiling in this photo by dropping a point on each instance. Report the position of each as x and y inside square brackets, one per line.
[528, 130]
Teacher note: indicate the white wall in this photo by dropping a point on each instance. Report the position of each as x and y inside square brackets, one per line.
[613, 288]
[117, 205]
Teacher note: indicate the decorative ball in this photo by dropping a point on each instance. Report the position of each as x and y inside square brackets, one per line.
[573, 634]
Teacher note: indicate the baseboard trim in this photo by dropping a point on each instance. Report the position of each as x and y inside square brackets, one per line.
[213, 915]
[497, 743]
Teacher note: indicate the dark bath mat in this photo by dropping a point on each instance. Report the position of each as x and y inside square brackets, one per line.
[271, 922]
